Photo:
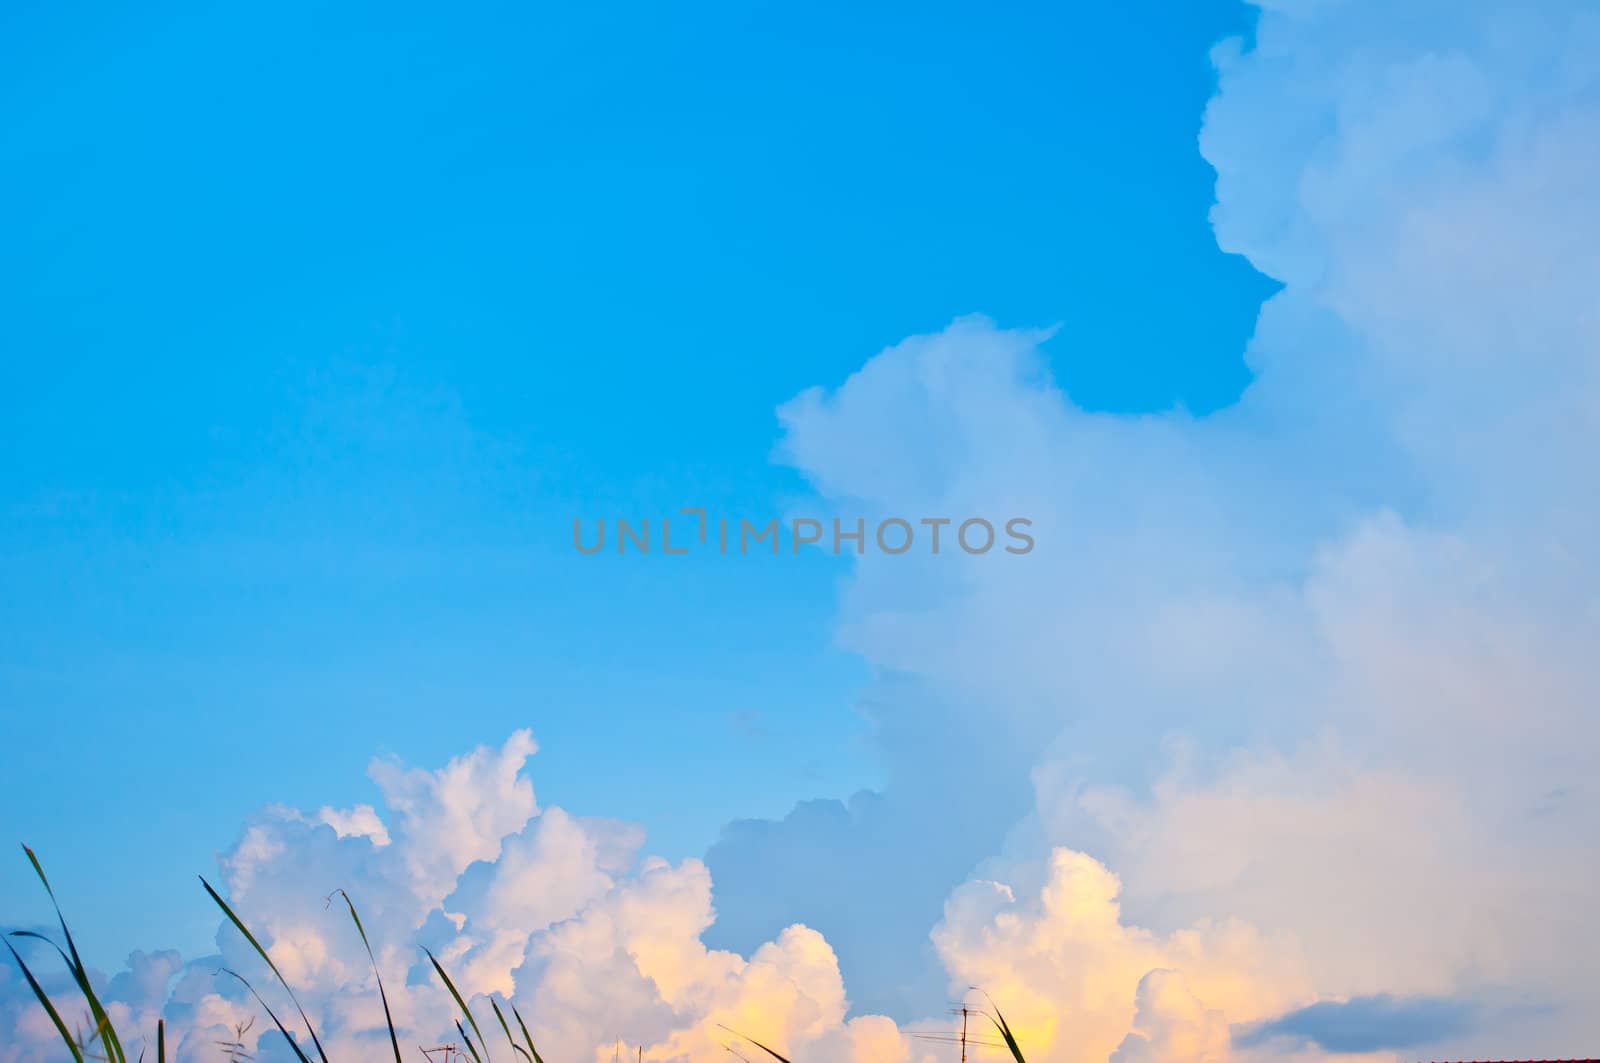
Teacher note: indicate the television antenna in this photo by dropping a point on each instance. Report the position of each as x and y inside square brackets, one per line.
[964, 1036]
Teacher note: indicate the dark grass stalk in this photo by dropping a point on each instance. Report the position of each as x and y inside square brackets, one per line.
[1000, 1024]
[758, 1044]
[1005, 1032]
[526, 1037]
[462, 1031]
[388, 1016]
[462, 1004]
[50, 1009]
[509, 1039]
[239, 923]
[287, 1036]
[80, 974]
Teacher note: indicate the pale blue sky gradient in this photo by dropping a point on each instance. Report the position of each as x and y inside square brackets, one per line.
[320, 324]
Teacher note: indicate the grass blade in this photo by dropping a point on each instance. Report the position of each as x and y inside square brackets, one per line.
[287, 1036]
[36, 936]
[462, 1004]
[758, 1044]
[1000, 1024]
[161, 1041]
[237, 922]
[80, 974]
[388, 1017]
[1005, 1032]
[49, 1008]
[525, 1035]
[502, 1017]
[468, 1041]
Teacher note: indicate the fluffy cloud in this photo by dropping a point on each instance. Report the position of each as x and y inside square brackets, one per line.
[599, 947]
[1172, 1026]
[1321, 662]
[522, 903]
[1077, 981]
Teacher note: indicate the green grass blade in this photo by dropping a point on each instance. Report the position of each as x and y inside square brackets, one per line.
[1000, 1024]
[758, 1044]
[49, 1008]
[525, 1035]
[388, 1017]
[80, 974]
[239, 923]
[468, 1041]
[287, 1036]
[462, 1004]
[39, 870]
[1011, 1042]
[507, 1029]
[36, 936]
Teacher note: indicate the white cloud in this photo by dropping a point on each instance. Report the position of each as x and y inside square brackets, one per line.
[1073, 978]
[1172, 1026]
[1321, 661]
[535, 906]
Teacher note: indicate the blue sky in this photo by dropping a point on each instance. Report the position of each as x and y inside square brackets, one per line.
[320, 328]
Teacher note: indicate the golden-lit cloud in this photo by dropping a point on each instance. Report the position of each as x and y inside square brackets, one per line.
[1076, 981]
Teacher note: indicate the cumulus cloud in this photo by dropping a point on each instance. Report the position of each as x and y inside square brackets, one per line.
[1171, 1026]
[597, 946]
[1320, 662]
[1080, 984]
[520, 902]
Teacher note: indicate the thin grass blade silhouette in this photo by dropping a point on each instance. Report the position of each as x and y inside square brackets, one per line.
[239, 923]
[388, 1016]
